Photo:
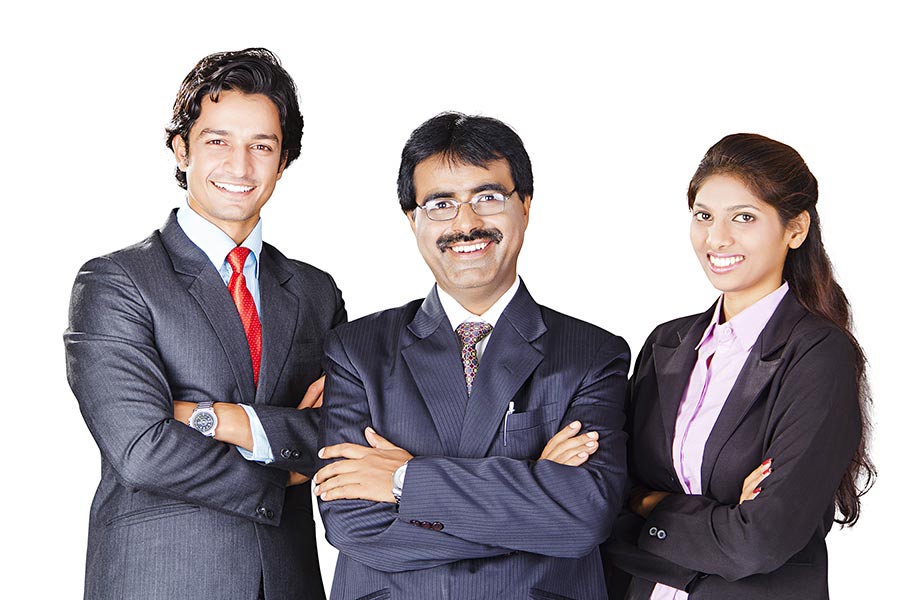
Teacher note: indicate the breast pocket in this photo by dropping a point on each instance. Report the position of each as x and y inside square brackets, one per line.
[524, 434]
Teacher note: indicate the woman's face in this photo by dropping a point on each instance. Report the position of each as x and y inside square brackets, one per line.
[740, 241]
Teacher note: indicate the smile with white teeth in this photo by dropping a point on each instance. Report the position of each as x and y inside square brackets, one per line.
[469, 248]
[723, 262]
[230, 187]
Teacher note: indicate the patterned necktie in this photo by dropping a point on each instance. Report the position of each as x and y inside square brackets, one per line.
[243, 300]
[470, 333]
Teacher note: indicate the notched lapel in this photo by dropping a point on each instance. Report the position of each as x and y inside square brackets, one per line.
[673, 365]
[204, 283]
[279, 320]
[509, 360]
[431, 352]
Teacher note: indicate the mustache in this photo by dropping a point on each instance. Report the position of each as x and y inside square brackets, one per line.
[448, 239]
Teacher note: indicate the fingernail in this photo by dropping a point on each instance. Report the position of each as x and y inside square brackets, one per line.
[574, 424]
[590, 444]
[316, 490]
[768, 461]
[369, 430]
[757, 490]
[593, 435]
[582, 454]
[767, 471]
[314, 479]
[321, 452]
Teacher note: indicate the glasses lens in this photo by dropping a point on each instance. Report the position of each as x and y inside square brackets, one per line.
[489, 204]
[440, 210]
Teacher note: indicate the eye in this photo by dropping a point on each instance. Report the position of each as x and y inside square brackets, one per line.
[438, 204]
[262, 147]
[701, 215]
[744, 218]
[216, 142]
[490, 197]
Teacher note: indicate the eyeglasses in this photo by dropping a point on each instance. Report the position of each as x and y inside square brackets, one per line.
[483, 203]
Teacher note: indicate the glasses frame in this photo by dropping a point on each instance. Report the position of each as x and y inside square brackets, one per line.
[473, 203]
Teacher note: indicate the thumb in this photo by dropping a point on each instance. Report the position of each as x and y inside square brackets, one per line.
[376, 441]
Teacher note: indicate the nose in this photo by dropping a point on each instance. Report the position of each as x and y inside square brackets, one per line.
[238, 162]
[718, 235]
[467, 219]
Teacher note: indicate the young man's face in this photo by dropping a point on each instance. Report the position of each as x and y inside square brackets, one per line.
[232, 161]
[479, 270]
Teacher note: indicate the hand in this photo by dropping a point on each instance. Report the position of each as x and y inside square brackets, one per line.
[313, 396]
[296, 478]
[642, 501]
[365, 474]
[752, 483]
[568, 448]
[184, 410]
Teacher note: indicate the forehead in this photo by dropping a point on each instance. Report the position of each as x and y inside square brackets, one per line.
[236, 112]
[437, 173]
[726, 191]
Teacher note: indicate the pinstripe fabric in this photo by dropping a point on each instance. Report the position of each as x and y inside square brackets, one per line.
[177, 514]
[509, 527]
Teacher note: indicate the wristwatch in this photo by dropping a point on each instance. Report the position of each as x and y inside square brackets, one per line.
[203, 419]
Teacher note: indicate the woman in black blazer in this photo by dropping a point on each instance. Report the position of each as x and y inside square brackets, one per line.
[747, 422]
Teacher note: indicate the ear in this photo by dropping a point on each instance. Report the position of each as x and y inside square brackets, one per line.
[411, 215]
[798, 228]
[179, 147]
[281, 167]
[526, 207]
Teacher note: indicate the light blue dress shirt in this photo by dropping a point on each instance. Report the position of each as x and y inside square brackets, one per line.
[216, 244]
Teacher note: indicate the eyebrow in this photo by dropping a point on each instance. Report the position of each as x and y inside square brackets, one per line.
[476, 190]
[225, 133]
[728, 208]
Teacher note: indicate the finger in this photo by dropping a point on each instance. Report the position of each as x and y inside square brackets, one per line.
[377, 441]
[577, 456]
[564, 434]
[345, 450]
[758, 475]
[585, 441]
[313, 396]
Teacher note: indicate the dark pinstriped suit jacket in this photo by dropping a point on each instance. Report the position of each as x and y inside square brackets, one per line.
[177, 514]
[480, 518]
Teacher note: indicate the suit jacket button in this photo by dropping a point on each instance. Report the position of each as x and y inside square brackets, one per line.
[437, 526]
[269, 514]
[426, 524]
[295, 454]
[285, 453]
[261, 511]
[661, 534]
[653, 530]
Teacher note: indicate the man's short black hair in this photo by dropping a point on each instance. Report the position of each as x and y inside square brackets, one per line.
[250, 71]
[463, 139]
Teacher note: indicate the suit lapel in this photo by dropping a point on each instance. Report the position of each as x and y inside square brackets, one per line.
[204, 283]
[431, 352]
[674, 361]
[278, 319]
[509, 360]
[758, 370]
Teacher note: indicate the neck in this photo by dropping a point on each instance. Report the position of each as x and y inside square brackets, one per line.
[479, 300]
[736, 302]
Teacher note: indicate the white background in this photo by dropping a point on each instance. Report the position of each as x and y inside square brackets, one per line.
[616, 107]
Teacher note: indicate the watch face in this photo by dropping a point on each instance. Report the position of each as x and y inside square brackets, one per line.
[203, 422]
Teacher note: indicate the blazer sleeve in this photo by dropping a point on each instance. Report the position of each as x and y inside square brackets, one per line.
[540, 507]
[815, 432]
[293, 434]
[118, 377]
[372, 532]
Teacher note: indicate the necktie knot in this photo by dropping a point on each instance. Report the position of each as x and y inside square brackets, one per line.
[237, 257]
[470, 333]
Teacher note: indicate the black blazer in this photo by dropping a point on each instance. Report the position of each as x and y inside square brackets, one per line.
[795, 401]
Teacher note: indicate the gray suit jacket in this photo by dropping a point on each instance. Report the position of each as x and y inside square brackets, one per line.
[479, 517]
[177, 514]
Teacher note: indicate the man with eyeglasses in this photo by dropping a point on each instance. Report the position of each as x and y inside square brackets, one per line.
[472, 441]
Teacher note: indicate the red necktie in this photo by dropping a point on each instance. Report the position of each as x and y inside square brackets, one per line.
[243, 300]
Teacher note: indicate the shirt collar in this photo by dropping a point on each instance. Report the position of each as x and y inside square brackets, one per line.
[749, 323]
[457, 314]
[214, 242]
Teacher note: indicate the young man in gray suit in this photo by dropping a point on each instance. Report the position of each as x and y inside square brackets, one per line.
[203, 311]
[467, 491]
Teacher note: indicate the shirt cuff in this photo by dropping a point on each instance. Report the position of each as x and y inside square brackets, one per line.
[397, 480]
[262, 451]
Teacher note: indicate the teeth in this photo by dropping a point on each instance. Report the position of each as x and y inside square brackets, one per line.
[228, 187]
[472, 248]
[725, 261]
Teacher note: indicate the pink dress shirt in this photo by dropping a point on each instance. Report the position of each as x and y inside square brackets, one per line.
[721, 354]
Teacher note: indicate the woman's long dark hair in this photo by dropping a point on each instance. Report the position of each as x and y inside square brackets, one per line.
[778, 175]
